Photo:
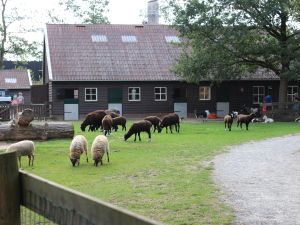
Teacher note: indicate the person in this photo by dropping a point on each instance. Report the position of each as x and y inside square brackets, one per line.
[268, 102]
[20, 98]
[14, 105]
[268, 99]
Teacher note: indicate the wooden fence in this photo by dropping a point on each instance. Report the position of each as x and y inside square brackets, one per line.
[61, 205]
[41, 111]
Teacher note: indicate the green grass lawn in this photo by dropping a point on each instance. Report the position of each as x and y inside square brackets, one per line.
[168, 179]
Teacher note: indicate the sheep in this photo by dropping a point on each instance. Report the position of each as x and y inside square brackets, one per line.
[100, 146]
[169, 120]
[120, 120]
[93, 119]
[107, 124]
[228, 120]
[155, 122]
[23, 148]
[267, 119]
[113, 113]
[77, 147]
[137, 128]
[246, 119]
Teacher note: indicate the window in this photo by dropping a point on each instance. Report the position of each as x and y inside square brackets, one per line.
[160, 94]
[129, 38]
[2, 93]
[11, 80]
[134, 94]
[99, 38]
[171, 39]
[258, 94]
[91, 94]
[204, 93]
[291, 91]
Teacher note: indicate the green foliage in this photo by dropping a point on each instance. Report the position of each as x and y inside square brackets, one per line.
[228, 38]
[89, 11]
[167, 179]
[12, 43]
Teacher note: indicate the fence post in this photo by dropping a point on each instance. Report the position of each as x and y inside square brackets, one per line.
[9, 190]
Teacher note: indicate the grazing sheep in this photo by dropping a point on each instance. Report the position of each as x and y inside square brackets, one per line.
[169, 120]
[93, 120]
[155, 122]
[100, 146]
[121, 120]
[77, 147]
[228, 120]
[246, 119]
[107, 124]
[23, 148]
[137, 128]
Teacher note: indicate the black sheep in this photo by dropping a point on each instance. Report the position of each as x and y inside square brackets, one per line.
[246, 119]
[121, 120]
[137, 128]
[93, 120]
[170, 120]
[155, 122]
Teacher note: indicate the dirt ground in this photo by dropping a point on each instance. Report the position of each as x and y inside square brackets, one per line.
[261, 181]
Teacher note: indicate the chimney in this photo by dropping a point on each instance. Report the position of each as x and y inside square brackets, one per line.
[153, 12]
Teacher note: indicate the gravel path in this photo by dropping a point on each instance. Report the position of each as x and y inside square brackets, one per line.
[261, 181]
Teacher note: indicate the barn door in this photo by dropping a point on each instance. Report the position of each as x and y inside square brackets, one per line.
[71, 109]
[115, 98]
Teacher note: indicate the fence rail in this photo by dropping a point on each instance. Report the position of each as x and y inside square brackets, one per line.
[59, 204]
[7, 112]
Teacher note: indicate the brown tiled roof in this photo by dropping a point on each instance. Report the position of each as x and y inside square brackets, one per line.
[74, 57]
[14, 79]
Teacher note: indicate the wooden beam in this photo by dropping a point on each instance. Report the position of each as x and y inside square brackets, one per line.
[65, 206]
[9, 190]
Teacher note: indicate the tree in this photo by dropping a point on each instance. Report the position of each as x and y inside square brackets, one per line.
[228, 38]
[88, 11]
[12, 44]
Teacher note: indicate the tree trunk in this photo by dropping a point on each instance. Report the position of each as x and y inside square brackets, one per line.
[282, 94]
[36, 131]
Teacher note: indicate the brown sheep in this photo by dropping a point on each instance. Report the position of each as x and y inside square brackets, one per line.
[155, 122]
[169, 120]
[120, 120]
[228, 120]
[137, 128]
[246, 119]
[107, 124]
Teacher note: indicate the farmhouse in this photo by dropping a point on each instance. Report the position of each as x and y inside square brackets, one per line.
[12, 82]
[128, 68]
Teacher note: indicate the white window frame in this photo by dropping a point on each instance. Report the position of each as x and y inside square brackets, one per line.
[136, 94]
[98, 38]
[85, 94]
[160, 94]
[205, 98]
[262, 95]
[172, 39]
[291, 95]
[129, 38]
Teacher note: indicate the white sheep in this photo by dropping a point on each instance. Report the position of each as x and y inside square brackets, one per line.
[23, 148]
[77, 147]
[100, 146]
[267, 119]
